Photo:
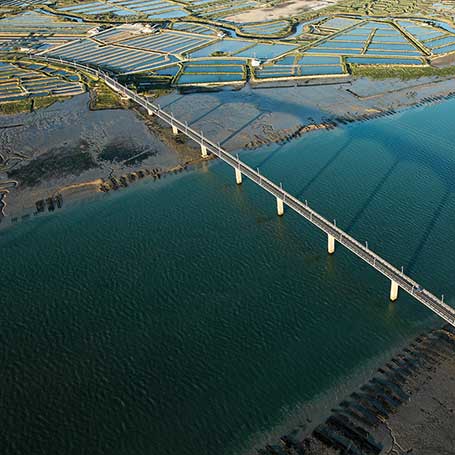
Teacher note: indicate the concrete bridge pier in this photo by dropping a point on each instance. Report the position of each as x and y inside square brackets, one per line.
[150, 112]
[238, 176]
[393, 290]
[331, 244]
[203, 151]
[175, 130]
[279, 206]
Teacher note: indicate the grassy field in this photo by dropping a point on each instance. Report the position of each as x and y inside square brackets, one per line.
[102, 97]
[16, 107]
[46, 101]
[399, 72]
[28, 104]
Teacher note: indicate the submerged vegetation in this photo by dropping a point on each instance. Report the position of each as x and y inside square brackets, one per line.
[124, 152]
[55, 163]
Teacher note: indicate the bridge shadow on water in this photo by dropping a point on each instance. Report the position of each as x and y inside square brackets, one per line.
[403, 150]
[372, 195]
[259, 101]
[242, 128]
[443, 169]
[332, 160]
[426, 233]
[205, 114]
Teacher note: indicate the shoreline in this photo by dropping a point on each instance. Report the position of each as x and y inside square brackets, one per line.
[274, 131]
[85, 191]
[389, 408]
[150, 151]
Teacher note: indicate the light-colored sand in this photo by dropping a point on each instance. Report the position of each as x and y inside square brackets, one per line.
[282, 11]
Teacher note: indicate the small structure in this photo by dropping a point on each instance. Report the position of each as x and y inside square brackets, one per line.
[95, 31]
[255, 63]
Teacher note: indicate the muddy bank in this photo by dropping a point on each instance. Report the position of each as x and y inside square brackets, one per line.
[65, 148]
[253, 117]
[407, 407]
[70, 146]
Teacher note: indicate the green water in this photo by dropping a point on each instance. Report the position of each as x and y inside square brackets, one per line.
[184, 317]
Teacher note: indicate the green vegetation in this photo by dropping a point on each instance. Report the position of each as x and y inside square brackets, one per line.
[55, 163]
[384, 7]
[16, 107]
[46, 101]
[399, 72]
[102, 97]
[148, 83]
[28, 104]
[123, 152]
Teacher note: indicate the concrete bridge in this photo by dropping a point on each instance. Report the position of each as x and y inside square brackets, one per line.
[335, 235]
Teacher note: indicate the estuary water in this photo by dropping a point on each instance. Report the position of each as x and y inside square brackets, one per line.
[184, 317]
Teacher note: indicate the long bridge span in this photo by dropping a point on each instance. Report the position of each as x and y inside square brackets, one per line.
[398, 279]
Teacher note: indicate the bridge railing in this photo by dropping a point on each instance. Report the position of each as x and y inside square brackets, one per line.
[377, 262]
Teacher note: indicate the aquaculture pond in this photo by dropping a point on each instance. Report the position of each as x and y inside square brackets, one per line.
[227, 46]
[393, 53]
[266, 51]
[161, 9]
[112, 57]
[383, 61]
[265, 28]
[443, 50]
[339, 23]
[213, 69]
[169, 42]
[305, 70]
[189, 78]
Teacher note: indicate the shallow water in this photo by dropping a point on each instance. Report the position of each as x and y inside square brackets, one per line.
[185, 317]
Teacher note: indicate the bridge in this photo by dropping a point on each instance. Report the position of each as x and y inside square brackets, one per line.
[398, 279]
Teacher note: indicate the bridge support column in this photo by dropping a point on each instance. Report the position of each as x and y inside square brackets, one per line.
[150, 112]
[393, 291]
[175, 130]
[279, 206]
[331, 244]
[203, 151]
[238, 176]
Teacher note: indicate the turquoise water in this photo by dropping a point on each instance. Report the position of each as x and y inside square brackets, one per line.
[185, 317]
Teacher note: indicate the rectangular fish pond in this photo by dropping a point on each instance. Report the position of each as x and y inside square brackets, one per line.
[384, 61]
[188, 79]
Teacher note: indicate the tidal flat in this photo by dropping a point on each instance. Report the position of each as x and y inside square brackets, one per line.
[100, 149]
[68, 145]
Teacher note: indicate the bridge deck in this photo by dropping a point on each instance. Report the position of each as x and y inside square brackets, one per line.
[374, 260]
